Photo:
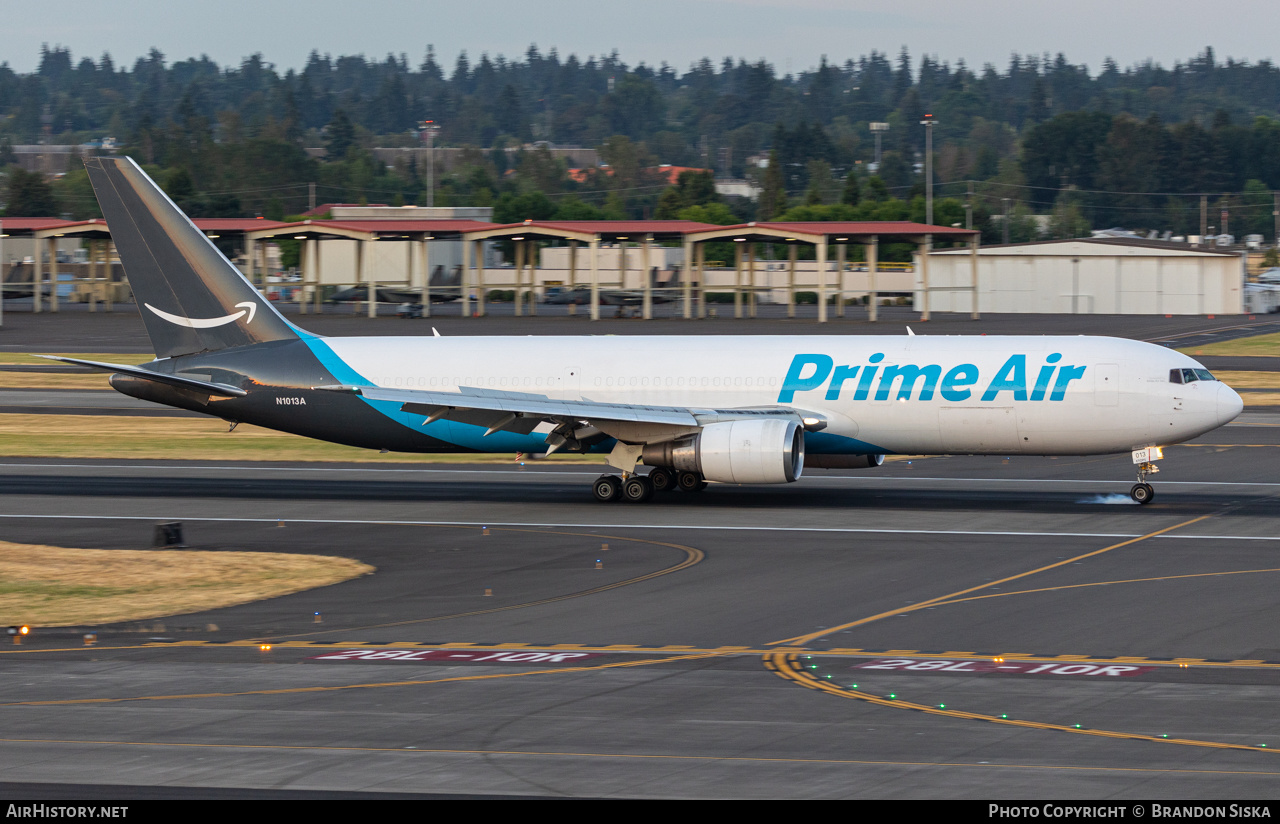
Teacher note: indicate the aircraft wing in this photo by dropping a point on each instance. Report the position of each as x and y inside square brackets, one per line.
[522, 412]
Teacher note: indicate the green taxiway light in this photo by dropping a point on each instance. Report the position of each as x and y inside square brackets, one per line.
[1004, 716]
[942, 706]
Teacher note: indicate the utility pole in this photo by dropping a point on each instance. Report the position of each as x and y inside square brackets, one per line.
[1226, 214]
[429, 129]
[1204, 217]
[968, 207]
[1275, 215]
[878, 129]
[1005, 221]
[311, 197]
[928, 168]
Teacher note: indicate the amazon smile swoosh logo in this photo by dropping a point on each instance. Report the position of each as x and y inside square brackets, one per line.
[207, 323]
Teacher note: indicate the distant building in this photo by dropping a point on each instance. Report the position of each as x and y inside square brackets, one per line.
[1089, 276]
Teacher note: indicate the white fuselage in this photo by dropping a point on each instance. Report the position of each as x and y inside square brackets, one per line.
[896, 394]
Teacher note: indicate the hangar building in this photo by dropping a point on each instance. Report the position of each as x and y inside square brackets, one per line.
[1103, 276]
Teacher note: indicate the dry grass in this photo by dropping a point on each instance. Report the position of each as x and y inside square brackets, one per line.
[198, 439]
[13, 358]
[1250, 380]
[47, 380]
[1259, 345]
[54, 586]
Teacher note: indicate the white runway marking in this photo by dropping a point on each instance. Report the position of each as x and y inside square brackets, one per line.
[696, 527]
[572, 473]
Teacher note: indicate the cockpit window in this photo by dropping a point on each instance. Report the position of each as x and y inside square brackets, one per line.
[1190, 375]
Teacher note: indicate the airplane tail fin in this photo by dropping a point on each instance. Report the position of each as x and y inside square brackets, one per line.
[192, 299]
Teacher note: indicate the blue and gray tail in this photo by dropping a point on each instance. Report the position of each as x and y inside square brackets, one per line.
[191, 297]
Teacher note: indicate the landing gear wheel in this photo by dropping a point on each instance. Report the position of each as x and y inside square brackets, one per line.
[663, 480]
[690, 482]
[637, 489]
[607, 488]
[1142, 493]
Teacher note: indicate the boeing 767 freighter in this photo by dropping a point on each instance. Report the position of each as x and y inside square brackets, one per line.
[746, 410]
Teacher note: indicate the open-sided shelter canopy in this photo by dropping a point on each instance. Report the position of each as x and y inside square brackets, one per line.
[416, 232]
[590, 232]
[821, 235]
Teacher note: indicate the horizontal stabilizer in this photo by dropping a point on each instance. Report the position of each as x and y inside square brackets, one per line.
[220, 389]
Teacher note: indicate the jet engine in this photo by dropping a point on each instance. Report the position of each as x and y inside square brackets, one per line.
[752, 451]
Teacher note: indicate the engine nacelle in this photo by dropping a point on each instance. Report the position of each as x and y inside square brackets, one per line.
[753, 451]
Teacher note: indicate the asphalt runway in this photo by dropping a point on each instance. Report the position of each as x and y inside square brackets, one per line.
[949, 627]
[74, 329]
[710, 651]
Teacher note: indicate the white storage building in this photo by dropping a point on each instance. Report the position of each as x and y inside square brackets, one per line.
[1090, 276]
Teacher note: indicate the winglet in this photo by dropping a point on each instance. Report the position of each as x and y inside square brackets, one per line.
[910, 333]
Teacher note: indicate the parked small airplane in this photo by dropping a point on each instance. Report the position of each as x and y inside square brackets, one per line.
[746, 409]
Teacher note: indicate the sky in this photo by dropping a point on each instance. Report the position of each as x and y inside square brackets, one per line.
[791, 34]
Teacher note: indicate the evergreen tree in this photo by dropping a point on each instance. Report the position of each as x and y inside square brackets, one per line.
[342, 135]
[30, 195]
[852, 189]
[773, 199]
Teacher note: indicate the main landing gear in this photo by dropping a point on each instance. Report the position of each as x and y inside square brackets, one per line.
[637, 489]
[1142, 491]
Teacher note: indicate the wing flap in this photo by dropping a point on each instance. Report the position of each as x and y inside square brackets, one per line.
[527, 405]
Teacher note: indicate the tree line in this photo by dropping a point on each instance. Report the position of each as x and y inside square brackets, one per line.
[1135, 146]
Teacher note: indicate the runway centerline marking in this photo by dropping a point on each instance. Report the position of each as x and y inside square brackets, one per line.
[1102, 584]
[802, 640]
[421, 752]
[863, 478]
[696, 527]
[787, 665]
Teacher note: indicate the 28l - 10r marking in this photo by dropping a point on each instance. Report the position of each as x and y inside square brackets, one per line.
[504, 657]
[1012, 667]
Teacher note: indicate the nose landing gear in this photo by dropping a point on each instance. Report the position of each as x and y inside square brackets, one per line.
[1142, 492]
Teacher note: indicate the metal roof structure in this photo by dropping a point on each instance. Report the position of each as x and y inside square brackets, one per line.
[369, 229]
[833, 231]
[587, 231]
[1134, 245]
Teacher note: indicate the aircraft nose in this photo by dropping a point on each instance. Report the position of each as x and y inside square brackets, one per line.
[1230, 404]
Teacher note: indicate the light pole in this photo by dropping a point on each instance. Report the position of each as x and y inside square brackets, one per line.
[928, 167]
[429, 129]
[878, 129]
